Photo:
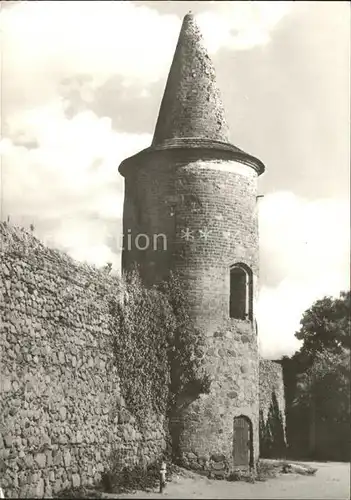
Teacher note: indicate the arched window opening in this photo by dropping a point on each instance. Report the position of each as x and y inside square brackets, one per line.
[240, 293]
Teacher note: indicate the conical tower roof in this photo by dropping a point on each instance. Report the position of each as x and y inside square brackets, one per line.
[191, 106]
[191, 116]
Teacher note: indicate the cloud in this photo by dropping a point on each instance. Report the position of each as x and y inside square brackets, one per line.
[96, 38]
[72, 165]
[61, 174]
[241, 25]
[305, 256]
[87, 240]
[44, 43]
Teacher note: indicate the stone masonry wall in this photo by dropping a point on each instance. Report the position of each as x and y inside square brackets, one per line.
[208, 423]
[191, 104]
[62, 412]
[271, 390]
[170, 193]
[271, 382]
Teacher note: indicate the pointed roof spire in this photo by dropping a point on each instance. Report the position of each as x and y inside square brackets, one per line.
[191, 115]
[191, 106]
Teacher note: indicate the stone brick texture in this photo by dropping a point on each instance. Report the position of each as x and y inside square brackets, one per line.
[272, 382]
[191, 105]
[62, 411]
[167, 193]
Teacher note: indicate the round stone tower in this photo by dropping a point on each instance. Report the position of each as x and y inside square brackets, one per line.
[190, 206]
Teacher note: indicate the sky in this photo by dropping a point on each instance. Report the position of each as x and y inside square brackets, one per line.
[81, 86]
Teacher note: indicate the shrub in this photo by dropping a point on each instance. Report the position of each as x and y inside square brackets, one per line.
[188, 376]
[121, 479]
[142, 326]
[158, 351]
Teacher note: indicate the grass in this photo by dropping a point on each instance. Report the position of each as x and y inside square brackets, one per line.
[79, 493]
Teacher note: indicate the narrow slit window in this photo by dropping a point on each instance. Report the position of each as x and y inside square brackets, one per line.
[240, 291]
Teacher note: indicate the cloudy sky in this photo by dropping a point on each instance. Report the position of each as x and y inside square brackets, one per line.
[81, 85]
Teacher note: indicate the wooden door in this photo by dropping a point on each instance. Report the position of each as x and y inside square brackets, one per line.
[242, 442]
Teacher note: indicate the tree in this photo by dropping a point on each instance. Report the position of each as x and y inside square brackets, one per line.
[327, 382]
[323, 396]
[326, 325]
[319, 392]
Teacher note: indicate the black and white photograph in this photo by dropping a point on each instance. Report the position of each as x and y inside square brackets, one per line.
[175, 304]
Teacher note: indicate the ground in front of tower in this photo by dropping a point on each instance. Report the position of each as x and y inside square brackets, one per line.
[332, 481]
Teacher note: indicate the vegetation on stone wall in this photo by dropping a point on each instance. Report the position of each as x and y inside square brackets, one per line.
[63, 414]
[272, 435]
[104, 399]
[158, 351]
[272, 422]
[144, 325]
[188, 375]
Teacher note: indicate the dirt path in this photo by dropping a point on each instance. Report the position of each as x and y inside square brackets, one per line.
[332, 481]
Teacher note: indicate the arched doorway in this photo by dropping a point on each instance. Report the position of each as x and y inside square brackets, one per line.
[242, 442]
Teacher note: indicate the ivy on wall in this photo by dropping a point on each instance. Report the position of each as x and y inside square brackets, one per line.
[188, 376]
[158, 351]
[272, 435]
[142, 325]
